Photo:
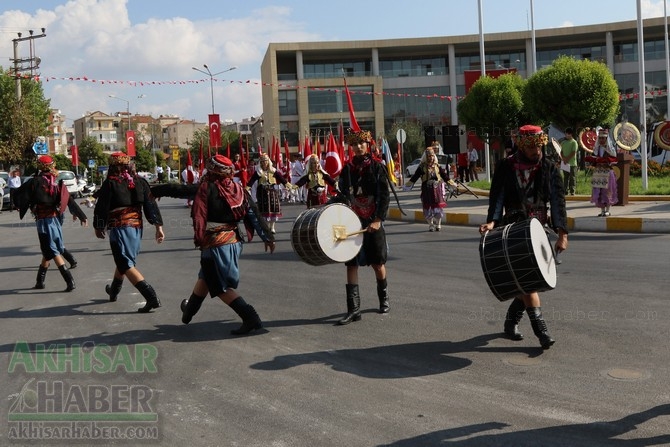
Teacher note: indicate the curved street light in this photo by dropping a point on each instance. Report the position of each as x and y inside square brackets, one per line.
[127, 107]
[211, 79]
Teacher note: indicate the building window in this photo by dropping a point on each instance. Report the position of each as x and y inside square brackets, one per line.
[288, 102]
[330, 69]
[414, 67]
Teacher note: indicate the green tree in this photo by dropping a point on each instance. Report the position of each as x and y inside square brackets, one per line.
[493, 107]
[21, 121]
[572, 93]
[144, 160]
[413, 146]
[63, 163]
[91, 149]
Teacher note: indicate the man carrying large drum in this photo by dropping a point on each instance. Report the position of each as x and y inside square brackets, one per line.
[364, 184]
[523, 185]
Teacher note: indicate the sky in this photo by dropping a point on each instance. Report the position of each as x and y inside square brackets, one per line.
[143, 51]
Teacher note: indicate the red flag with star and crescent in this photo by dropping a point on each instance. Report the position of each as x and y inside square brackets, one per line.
[214, 131]
[130, 143]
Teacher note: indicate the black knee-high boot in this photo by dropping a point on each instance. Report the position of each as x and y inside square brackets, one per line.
[382, 293]
[353, 305]
[190, 307]
[514, 315]
[67, 276]
[41, 276]
[539, 326]
[114, 288]
[149, 294]
[250, 319]
[67, 255]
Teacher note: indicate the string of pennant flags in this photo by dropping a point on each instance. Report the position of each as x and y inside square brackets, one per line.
[623, 96]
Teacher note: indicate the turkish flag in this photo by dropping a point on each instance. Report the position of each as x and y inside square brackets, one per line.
[130, 143]
[333, 162]
[214, 131]
[353, 124]
[74, 152]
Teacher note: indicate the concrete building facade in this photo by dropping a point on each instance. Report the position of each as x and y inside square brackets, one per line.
[421, 79]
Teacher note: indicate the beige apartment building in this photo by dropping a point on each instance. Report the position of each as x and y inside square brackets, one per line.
[421, 79]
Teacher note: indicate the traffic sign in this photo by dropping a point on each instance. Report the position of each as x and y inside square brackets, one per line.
[401, 136]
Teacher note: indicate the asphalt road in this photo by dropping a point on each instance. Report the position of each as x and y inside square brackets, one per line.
[433, 372]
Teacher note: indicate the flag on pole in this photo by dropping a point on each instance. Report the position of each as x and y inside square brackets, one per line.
[353, 124]
[201, 162]
[332, 162]
[130, 143]
[214, 131]
[74, 152]
[308, 147]
[388, 158]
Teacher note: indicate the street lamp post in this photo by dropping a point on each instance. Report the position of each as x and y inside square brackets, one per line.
[127, 107]
[211, 79]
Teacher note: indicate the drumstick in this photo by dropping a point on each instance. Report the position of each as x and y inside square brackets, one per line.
[339, 232]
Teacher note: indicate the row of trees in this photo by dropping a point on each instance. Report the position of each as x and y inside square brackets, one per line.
[569, 93]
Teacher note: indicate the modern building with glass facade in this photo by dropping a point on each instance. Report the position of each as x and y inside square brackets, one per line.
[421, 79]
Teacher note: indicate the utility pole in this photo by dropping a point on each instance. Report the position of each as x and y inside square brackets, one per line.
[33, 61]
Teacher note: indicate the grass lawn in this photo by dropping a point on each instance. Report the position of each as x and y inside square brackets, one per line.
[655, 185]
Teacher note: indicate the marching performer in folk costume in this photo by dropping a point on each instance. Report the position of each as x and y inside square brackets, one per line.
[118, 211]
[297, 172]
[523, 185]
[316, 181]
[219, 204]
[267, 190]
[433, 179]
[603, 181]
[364, 184]
[47, 200]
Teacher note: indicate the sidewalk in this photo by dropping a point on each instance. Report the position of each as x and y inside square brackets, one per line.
[642, 214]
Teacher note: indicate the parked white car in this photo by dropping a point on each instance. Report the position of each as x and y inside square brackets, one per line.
[70, 182]
[411, 168]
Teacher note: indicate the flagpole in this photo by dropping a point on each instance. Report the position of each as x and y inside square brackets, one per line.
[482, 62]
[532, 38]
[643, 105]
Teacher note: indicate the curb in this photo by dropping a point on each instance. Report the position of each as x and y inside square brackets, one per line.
[612, 224]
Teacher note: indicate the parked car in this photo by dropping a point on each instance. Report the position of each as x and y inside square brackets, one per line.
[70, 182]
[148, 176]
[411, 168]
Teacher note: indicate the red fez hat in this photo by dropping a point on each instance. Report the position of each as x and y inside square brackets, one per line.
[119, 158]
[45, 159]
[530, 129]
[219, 163]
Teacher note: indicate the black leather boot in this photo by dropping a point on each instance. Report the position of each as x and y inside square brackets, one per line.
[539, 326]
[353, 305]
[69, 258]
[190, 307]
[114, 289]
[250, 319]
[41, 276]
[514, 315]
[149, 294]
[382, 293]
[67, 276]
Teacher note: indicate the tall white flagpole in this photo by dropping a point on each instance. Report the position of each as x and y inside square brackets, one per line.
[532, 39]
[643, 103]
[482, 63]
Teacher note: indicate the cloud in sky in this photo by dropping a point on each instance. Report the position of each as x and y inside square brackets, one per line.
[97, 39]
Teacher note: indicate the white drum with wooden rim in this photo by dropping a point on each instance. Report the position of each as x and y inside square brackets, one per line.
[327, 234]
